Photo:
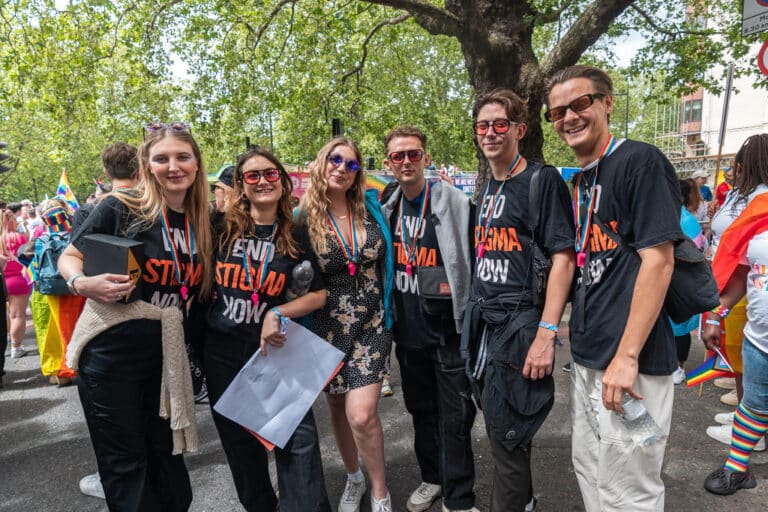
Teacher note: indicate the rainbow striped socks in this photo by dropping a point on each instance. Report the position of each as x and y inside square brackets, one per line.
[748, 428]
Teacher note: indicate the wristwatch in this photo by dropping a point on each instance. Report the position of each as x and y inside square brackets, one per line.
[71, 282]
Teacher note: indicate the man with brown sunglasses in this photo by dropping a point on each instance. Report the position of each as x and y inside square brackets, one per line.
[428, 221]
[627, 204]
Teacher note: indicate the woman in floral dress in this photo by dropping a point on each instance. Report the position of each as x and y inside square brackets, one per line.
[354, 253]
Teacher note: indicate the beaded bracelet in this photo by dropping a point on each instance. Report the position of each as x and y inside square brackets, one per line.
[721, 311]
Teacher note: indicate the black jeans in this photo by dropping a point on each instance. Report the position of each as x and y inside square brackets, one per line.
[119, 385]
[299, 466]
[437, 395]
[512, 485]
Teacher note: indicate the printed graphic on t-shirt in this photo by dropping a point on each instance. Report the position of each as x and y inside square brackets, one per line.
[425, 253]
[502, 227]
[159, 271]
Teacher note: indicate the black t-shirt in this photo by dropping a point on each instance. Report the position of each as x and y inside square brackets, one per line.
[415, 329]
[506, 265]
[638, 196]
[233, 313]
[159, 284]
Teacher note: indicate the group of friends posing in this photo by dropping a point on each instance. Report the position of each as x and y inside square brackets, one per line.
[453, 284]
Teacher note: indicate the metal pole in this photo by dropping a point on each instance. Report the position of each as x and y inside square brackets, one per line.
[723, 121]
[626, 115]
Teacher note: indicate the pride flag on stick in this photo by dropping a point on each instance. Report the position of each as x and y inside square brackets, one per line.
[715, 366]
[65, 192]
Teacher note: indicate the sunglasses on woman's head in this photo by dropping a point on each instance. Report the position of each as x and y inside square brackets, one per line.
[351, 165]
[253, 177]
[177, 126]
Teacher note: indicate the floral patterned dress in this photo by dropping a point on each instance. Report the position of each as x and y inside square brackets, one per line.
[353, 316]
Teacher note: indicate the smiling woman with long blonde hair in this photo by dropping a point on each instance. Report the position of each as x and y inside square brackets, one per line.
[354, 251]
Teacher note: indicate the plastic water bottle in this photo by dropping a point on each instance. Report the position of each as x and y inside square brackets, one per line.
[640, 425]
[302, 278]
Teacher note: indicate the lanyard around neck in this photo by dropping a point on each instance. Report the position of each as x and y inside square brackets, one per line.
[190, 235]
[492, 207]
[350, 254]
[261, 271]
[410, 252]
[588, 198]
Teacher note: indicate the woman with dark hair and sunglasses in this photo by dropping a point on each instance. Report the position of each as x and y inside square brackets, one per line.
[134, 374]
[354, 251]
[259, 245]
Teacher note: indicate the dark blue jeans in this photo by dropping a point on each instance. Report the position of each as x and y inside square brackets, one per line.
[119, 386]
[299, 466]
[437, 395]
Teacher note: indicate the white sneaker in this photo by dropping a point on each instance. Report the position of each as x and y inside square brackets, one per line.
[352, 496]
[678, 377]
[531, 506]
[383, 505]
[423, 497]
[725, 383]
[473, 509]
[730, 398]
[17, 352]
[386, 389]
[724, 418]
[90, 485]
[722, 433]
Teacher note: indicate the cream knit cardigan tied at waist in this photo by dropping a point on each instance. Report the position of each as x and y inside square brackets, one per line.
[176, 398]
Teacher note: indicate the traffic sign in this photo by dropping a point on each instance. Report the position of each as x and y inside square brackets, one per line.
[755, 17]
[762, 58]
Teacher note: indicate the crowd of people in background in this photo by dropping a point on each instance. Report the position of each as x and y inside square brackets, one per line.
[471, 293]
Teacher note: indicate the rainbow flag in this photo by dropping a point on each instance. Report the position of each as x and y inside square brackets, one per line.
[65, 192]
[712, 368]
[377, 181]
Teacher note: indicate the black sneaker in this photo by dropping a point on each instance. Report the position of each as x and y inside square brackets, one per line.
[567, 367]
[726, 481]
[202, 394]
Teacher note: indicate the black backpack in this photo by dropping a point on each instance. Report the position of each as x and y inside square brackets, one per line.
[693, 288]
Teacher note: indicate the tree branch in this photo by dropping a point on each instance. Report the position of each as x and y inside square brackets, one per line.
[164, 7]
[269, 20]
[673, 34]
[357, 70]
[587, 29]
[552, 15]
[434, 19]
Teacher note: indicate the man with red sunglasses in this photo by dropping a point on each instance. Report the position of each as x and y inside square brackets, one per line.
[512, 319]
[428, 221]
[627, 219]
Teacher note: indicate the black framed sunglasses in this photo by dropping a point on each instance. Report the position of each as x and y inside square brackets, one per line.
[578, 105]
[271, 174]
[413, 155]
[500, 126]
[337, 160]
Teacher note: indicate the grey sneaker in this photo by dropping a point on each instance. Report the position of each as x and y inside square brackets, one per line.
[17, 352]
[91, 486]
[423, 497]
[352, 496]
[383, 505]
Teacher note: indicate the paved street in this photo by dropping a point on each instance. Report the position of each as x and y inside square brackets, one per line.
[46, 450]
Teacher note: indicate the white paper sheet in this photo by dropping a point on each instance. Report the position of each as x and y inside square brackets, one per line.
[271, 394]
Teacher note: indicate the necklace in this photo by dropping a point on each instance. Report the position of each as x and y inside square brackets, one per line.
[190, 235]
[349, 253]
[261, 271]
[410, 252]
[484, 232]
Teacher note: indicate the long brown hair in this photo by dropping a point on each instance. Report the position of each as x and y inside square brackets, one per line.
[237, 216]
[148, 204]
[315, 202]
[693, 200]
